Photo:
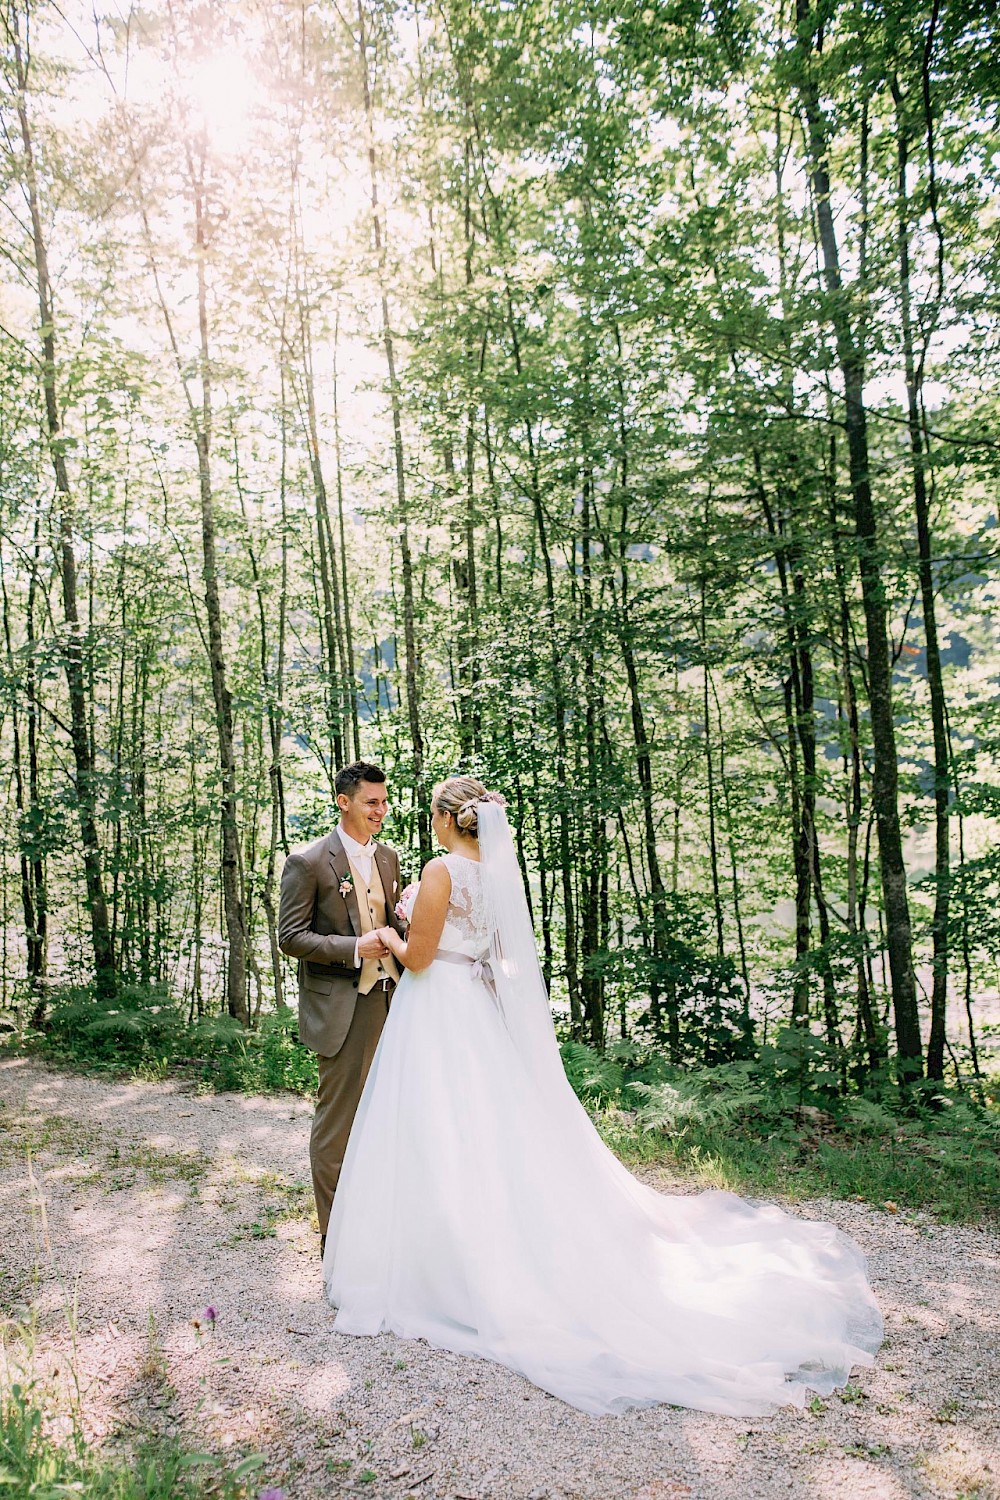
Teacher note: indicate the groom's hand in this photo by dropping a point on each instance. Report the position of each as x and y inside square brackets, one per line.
[371, 946]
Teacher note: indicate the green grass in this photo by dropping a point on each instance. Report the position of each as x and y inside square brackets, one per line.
[34, 1463]
[65, 1138]
[114, 1167]
[282, 1201]
[954, 1175]
[44, 1452]
[787, 1123]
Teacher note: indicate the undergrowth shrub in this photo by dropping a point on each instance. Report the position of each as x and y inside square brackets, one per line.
[789, 1121]
[138, 1025]
[267, 1058]
[146, 1031]
[702, 1018]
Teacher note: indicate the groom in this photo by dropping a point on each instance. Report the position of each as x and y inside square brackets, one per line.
[335, 894]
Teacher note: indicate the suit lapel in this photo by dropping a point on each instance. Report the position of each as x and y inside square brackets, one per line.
[342, 870]
[387, 868]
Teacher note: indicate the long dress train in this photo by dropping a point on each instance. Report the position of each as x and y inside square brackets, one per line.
[484, 1214]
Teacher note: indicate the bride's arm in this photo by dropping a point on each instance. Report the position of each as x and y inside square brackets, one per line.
[429, 911]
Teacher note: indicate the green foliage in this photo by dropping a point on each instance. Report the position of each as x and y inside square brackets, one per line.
[139, 1025]
[33, 1463]
[701, 1013]
[673, 1107]
[263, 1060]
[755, 1127]
[596, 1077]
[145, 1031]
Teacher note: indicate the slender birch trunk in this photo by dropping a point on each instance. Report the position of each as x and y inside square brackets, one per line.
[885, 786]
[75, 665]
[411, 661]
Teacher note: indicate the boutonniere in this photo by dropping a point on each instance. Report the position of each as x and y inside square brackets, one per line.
[346, 885]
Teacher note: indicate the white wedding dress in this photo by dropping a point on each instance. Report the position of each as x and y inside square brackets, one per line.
[479, 1209]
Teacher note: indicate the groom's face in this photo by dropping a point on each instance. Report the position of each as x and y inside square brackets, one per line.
[364, 813]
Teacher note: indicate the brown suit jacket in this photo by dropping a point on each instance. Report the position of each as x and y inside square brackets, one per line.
[319, 926]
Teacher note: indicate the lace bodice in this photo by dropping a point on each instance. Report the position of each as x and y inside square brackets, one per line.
[465, 928]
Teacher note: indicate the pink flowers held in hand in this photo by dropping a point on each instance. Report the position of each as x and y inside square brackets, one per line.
[404, 906]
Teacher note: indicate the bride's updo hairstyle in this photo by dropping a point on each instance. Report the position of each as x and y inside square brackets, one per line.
[461, 796]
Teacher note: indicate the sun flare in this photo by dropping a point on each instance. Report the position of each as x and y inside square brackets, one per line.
[222, 91]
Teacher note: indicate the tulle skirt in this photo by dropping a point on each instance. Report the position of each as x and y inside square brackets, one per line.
[486, 1216]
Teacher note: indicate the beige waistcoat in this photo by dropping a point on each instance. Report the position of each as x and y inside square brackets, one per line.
[373, 912]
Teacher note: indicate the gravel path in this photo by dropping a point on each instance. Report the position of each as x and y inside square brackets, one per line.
[147, 1203]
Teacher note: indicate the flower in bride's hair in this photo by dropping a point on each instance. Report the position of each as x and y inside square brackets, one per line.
[497, 797]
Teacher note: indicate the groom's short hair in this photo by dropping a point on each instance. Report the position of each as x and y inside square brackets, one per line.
[347, 779]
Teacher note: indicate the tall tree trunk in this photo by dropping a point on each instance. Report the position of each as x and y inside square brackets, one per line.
[563, 801]
[411, 666]
[271, 694]
[966, 940]
[810, 787]
[232, 881]
[794, 719]
[345, 591]
[74, 658]
[885, 785]
[39, 949]
[866, 1021]
[621, 598]
[473, 364]
[32, 870]
[713, 853]
[592, 987]
[913, 372]
[339, 685]
[731, 844]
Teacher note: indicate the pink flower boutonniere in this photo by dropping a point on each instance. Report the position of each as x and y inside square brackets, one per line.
[346, 885]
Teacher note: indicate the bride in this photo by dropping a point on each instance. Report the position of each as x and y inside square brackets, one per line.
[479, 1209]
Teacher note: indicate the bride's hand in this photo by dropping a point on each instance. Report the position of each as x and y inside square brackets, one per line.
[395, 944]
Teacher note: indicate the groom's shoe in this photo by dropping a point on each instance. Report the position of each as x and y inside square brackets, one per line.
[322, 1246]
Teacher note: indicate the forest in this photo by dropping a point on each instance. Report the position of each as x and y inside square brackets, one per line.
[601, 399]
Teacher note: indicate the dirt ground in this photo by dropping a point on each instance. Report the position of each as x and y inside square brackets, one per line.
[128, 1209]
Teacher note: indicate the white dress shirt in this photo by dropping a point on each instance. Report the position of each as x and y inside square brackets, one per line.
[361, 856]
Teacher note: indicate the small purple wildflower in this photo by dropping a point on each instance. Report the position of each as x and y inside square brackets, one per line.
[271, 1493]
[210, 1315]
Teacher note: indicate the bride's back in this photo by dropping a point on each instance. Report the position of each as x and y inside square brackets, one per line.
[465, 928]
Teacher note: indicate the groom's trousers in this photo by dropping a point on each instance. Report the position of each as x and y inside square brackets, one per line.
[341, 1080]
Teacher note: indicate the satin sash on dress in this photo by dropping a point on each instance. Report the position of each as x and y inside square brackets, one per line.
[481, 968]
